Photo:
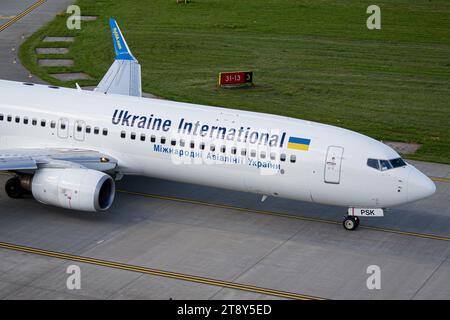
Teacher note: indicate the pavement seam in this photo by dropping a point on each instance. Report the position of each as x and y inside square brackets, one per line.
[429, 277]
[109, 297]
[72, 292]
[30, 283]
[282, 243]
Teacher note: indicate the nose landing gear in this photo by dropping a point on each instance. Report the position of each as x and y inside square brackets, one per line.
[350, 223]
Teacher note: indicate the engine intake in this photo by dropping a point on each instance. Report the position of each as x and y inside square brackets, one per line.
[78, 188]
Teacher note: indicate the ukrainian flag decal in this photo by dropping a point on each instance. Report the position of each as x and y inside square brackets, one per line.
[298, 143]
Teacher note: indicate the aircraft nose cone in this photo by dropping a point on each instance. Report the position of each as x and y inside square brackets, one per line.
[419, 185]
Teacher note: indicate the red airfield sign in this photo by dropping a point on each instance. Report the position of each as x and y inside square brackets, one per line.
[235, 78]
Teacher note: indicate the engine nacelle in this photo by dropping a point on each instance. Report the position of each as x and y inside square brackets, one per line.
[74, 188]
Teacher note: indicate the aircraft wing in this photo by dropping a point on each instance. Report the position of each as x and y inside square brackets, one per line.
[124, 75]
[33, 159]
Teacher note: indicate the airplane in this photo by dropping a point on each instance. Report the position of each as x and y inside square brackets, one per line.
[67, 147]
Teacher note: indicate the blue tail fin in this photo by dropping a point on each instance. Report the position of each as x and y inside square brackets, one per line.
[120, 45]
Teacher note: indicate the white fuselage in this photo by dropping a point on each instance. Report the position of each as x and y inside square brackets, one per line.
[333, 170]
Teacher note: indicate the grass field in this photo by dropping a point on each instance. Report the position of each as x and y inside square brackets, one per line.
[313, 60]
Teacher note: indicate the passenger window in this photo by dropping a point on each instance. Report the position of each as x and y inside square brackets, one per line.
[142, 137]
[42, 123]
[212, 147]
[282, 157]
[63, 125]
[163, 140]
[133, 136]
[182, 143]
[233, 150]
[79, 128]
[243, 152]
[192, 144]
[173, 142]
[273, 156]
[1, 117]
[105, 132]
[293, 158]
[9, 118]
[253, 153]
[263, 155]
[88, 130]
[25, 120]
[223, 149]
[96, 130]
[373, 163]
[53, 124]
[202, 146]
[152, 139]
[123, 134]
[17, 119]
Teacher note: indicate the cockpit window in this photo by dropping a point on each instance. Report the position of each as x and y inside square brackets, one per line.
[373, 163]
[399, 162]
[384, 165]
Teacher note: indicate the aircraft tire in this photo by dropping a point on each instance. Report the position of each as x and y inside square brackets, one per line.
[350, 223]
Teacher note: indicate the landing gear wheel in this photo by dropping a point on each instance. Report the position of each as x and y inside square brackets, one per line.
[14, 189]
[350, 223]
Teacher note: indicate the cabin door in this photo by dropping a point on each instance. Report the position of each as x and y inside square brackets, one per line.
[333, 164]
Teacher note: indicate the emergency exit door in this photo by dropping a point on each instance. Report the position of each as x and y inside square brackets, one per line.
[63, 128]
[333, 164]
[78, 130]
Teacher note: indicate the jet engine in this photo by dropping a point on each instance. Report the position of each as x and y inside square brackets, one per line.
[73, 188]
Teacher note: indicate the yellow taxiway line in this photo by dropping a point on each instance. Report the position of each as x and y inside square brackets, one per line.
[440, 179]
[157, 272]
[6, 17]
[283, 215]
[21, 15]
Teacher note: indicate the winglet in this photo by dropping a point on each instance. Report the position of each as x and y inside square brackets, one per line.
[120, 45]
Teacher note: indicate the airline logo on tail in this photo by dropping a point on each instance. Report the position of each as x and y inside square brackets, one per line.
[299, 143]
[120, 45]
[116, 35]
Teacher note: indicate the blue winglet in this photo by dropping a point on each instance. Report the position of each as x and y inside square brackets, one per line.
[120, 45]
